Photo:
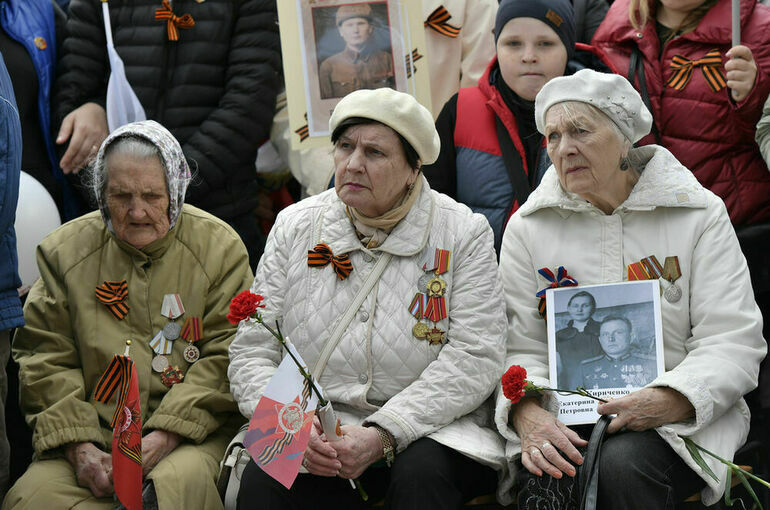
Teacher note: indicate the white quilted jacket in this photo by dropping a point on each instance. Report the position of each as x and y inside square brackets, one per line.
[379, 372]
[712, 336]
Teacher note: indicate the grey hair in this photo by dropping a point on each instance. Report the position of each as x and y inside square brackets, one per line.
[574, 110]
[136, 147]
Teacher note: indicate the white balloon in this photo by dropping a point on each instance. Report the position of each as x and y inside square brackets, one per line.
[36, 217]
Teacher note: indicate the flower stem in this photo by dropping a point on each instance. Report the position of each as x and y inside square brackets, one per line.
[278, 336]
[731, 465]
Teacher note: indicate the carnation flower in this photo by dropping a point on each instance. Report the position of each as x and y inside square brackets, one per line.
[243, 306]
[514, 382]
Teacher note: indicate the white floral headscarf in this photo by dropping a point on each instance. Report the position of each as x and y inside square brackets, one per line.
[174, 163]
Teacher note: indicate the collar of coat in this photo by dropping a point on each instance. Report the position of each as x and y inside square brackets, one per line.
[664, 182]
[408, 238]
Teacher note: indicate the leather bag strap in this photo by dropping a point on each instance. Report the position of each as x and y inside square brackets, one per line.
[342, 325]
[588, 479]
[511, 157]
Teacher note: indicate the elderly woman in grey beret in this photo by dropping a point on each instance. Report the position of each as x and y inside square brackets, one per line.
[602, 206]
[140, 268]
[417, 355]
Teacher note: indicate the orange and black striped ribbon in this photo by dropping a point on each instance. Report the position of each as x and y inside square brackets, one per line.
[322, 255]
[271, 451]
[173, 22]
[117, 377]
[192, 330]
[410, 60]
[303, 132]
[114, 295]
[132, 452]
[710, 65]
[438, 21]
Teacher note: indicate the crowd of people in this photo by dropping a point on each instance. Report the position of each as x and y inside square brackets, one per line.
[591, 136]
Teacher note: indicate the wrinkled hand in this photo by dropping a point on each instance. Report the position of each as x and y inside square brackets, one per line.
[87, 127]
[741, 72]
[155, 447]
[93, 468]
[646, 409]
[536, 427]
[358, 449]
[320, 458]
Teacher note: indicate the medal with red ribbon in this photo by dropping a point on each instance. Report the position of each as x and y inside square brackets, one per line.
[561, 279]
[192, 331]
[431, 304]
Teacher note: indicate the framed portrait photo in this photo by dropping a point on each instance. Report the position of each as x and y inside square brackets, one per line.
[607, 339]
[333, 47]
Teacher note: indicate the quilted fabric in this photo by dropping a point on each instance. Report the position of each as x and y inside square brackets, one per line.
[379, 372]
[712, 336]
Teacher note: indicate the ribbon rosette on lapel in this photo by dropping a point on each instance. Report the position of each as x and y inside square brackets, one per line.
[562, 279]
[439, 21]
[710, 65]
[173, 22]
[114, 295]
[322, 255]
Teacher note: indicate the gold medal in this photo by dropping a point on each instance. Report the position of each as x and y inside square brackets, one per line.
[419, 330]
[435, 336]
[191, 354]
[436, 287]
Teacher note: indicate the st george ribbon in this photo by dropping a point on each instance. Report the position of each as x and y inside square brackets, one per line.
[279, 430]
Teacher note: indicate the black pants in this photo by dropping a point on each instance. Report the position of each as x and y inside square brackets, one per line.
[637, 470]
[425, 476]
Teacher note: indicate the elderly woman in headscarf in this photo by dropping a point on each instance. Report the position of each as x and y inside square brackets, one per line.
[602, 206]
[413, 361]
[150, 269]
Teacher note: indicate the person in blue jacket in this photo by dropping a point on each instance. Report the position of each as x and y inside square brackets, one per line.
[28, 32]
[10, 306]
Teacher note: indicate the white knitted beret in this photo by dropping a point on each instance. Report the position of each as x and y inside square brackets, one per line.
[400, 112]
[610, 93]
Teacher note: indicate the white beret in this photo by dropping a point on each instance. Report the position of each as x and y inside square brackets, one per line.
[610, 93]
[400, 112]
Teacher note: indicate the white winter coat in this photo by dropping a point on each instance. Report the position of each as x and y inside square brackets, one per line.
[712, 336]
[380, 373]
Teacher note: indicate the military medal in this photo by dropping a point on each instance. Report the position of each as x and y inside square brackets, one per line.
[417, 308]
[672, 272]
[159, 363]
[436, 336]
[436, 287]
[422, 283]
[171, 375]
[172, 308]
[192, 332]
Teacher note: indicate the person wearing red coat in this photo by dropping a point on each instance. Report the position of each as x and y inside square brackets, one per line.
[708, 122]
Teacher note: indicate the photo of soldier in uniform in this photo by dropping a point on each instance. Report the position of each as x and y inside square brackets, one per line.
[605, 338]
[361, 58]
[579, 340]
[619, 365]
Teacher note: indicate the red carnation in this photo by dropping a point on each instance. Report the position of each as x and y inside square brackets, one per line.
[514, 382]
[243, 306]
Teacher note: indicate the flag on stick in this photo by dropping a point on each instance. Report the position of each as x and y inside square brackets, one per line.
[279, 430]
[120, 379]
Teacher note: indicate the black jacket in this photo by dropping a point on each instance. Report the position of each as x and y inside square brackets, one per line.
[214, 88]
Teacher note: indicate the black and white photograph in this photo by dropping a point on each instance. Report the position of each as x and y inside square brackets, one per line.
[604, 338]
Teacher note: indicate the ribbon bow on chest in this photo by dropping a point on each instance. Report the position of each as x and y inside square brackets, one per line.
[710, 65]
[439, 21]
[321, 255]
[173, 22]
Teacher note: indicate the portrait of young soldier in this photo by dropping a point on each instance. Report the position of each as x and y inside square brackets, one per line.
[361, 64]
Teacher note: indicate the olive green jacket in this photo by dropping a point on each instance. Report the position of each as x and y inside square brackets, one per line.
[70, 336]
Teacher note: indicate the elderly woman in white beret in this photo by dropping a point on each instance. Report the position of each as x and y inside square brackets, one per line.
[601, 206]
[415, 361]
